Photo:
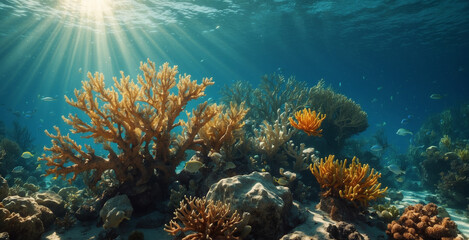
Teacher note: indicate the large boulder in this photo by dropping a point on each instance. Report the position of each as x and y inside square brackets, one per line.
[23, 218]
[271, 208]
[115, 210]
[51, 200]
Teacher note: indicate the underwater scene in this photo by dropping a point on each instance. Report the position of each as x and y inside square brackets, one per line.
[234, 119]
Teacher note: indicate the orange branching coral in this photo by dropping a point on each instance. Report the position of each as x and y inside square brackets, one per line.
[355, 183]
[308, 121]
[225, 128]
[207, 220]
[137, 119]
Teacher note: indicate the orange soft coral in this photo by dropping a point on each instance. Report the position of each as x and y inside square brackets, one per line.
[206, 220]
[354, 183]
[308, 121]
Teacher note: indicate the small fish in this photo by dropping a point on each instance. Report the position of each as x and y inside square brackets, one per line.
[39, 166]
[376, 148]
[193, 166]
[404, 121]
[403, 132]
[230, 165]
[374, 100]
[395, 169]
[436, 96]
[48, 99]
[379, 88]
[400, 179]
[283, 181]
[18, 169]
[80, 70]
[27, 155]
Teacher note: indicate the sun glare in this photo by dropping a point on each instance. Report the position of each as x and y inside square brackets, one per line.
[97, 8]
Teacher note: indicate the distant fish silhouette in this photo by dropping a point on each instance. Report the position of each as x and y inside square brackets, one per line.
[48, 99]
[436, 96]
[27, 155]
[376, 148]
[403, 132]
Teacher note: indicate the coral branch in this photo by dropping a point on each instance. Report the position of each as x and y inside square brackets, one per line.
[206, 220]
[137, 118]
[308, 121]
[354, 183]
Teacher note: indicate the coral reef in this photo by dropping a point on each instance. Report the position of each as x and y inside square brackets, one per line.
[65, 222]
[308, 121]
[387, 212]
[11, 152]
[206, 220]
[422, 223]
[274, 92]
[355, 183]
[345, 117]
[136, 118]
[271, 208]
[224, 129]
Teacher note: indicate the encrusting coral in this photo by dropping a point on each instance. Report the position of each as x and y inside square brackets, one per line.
[308, 121]
[422, 223]
[206, 220]
[136, 118]
[355, 183]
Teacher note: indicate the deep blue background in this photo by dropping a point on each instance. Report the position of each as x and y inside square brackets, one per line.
[388, 56]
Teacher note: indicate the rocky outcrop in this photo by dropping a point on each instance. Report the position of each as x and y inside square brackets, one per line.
[115, 210]
[23, 218]
[51, 200]
[344, 231]
[271, 208]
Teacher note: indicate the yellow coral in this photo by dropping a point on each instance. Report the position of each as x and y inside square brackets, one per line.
[353, 183]
[205, 220]
[137, 119]
[225, 128]
[308, 121]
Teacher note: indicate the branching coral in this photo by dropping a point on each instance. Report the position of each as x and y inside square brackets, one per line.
[422, 223]
[345, 117]
[355, 183]
[271, 137]
[223, 130]
[137, 118]
[206, 220]
[308, 121]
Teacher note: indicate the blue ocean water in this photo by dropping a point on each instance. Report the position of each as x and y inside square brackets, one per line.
[387, 56]
[390, 57]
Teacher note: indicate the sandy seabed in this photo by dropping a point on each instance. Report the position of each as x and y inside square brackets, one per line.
[315, 225]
